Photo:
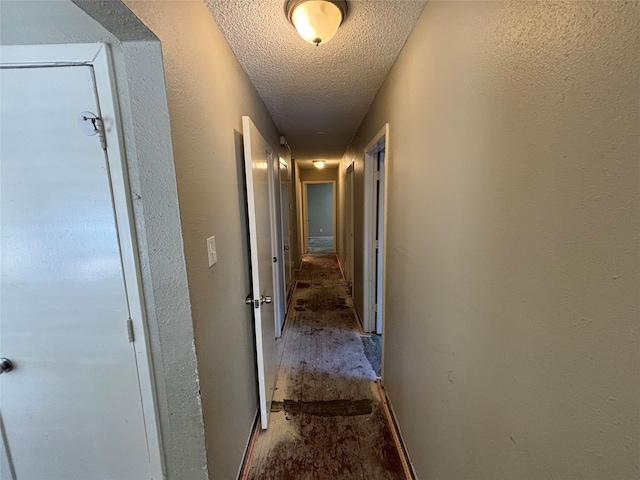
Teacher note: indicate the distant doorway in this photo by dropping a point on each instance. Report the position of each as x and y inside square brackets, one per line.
[319, 202]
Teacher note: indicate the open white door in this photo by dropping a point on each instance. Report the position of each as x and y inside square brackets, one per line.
[285, 196]
[277, 251]
[258, 158]
[380, 237]
[349, 228]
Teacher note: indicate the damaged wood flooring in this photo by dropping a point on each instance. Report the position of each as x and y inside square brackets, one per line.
[327, 419]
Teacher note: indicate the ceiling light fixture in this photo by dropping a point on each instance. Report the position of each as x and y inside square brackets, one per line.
[317, 21]
[318, 163]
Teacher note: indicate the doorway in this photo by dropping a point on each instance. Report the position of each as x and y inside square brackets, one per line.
[319, 212]
[349, 228]
[375, 166]
[285, 205]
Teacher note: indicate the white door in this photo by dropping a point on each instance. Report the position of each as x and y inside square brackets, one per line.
[277, 252]
[258, 159]
[285, 196]
[380, 241]
[71, 407]
[349, 230]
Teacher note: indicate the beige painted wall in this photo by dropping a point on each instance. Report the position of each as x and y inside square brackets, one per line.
[318, 174]
[511, 340]
[208, 92]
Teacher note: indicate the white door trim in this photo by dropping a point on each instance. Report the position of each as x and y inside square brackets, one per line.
[305, 212]
[285, 207]
[299, 213]
[349, 227]
[98, 56]
[277, 242]
[378, 143]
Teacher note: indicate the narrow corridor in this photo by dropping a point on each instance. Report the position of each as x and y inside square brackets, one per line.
[328, 419]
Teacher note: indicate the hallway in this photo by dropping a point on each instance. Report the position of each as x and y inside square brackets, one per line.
[510, 234]
[327, 419]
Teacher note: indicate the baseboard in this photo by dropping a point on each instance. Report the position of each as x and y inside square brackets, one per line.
[355, 313]
[409, 470]
[288, 310]
[248, 451]
[340, 265]
[353, 305]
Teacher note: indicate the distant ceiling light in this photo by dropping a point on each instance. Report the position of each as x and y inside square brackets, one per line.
[318, 163]
[317, 21]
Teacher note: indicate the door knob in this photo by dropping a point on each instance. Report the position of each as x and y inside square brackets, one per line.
[257, 302]
[5, 365]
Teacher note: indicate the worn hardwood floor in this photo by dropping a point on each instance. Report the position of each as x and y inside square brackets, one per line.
[327, 420]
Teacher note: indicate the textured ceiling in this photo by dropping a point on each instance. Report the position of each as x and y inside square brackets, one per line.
[317, 96]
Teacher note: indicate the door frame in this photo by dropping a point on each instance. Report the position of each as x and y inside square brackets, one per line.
[305, 212]
[350, 224]
[299, 212]
[379, 143]
[285, 206]
[98, 56]
[277, 240]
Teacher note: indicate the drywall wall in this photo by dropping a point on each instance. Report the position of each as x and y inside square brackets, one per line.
[320, 209]
[207, 93]
[141, 94]
[511, 334]
[318, 174]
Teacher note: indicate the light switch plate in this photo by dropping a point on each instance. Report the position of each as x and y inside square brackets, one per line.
[212, 253]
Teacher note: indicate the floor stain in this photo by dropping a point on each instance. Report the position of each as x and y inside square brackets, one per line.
[327, 420]
[328, 408]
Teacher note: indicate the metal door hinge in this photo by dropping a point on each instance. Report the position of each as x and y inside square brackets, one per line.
[130, 330]
[90, 124]
[375, 307]
[377, 244]
[378, 175]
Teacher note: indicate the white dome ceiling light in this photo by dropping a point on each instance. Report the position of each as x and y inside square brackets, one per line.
[316, 21]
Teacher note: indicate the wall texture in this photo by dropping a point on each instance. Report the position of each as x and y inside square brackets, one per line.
[318, 175]
[511, 335]
[207, 93]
